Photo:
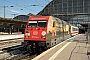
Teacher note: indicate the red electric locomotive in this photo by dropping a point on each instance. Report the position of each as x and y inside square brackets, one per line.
[35, 33]
[36, 28]
[44, 31]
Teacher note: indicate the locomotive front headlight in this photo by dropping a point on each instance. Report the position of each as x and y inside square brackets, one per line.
[43, 33]
[27, 34]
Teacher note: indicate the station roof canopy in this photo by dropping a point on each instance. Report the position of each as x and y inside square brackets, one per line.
[8, 21]
[84, 25]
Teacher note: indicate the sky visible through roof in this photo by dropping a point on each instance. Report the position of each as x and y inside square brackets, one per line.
[21, 7]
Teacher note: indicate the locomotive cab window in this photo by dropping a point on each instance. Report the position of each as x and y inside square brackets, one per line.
[42, 23]
[37, 23]
[32, 23]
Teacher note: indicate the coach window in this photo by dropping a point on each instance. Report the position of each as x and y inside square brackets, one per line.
[54, 24]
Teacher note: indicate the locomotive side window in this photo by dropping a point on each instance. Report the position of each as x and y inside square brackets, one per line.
[54, 24]
[42, 23]
[74, 29]
[32, 23]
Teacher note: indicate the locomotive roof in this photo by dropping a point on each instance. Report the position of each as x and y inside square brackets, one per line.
[64, 22]
[61, 21]
[38, 18]
[46, 18]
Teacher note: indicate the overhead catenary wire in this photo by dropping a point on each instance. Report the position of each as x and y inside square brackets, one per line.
[46, 1]
[38, 3]
[24, 6]
[19, 5]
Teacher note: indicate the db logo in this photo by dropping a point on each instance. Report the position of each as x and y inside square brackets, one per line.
[35, 33]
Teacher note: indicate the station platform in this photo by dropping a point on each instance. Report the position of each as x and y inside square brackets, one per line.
[74, 48]
[6, 36]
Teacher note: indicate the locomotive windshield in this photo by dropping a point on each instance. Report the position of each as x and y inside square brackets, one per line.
[37, 23]
[42, 23]
[32, 23]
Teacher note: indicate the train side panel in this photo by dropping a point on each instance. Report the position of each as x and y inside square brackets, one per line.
[56, 32]
[50, 32]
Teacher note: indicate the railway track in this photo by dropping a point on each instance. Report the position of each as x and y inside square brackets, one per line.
[9, 44]
[11, 49]
[17, 53]
[8, 41]
[22, 57]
